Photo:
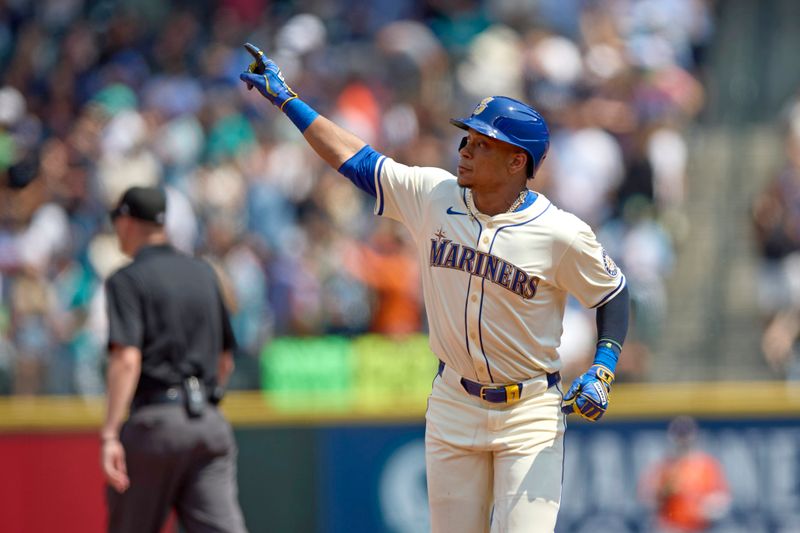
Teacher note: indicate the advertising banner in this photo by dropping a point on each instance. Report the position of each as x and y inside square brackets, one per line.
[359, 465]
[372, 479]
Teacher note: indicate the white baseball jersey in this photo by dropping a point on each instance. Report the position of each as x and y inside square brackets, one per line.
[495, 287]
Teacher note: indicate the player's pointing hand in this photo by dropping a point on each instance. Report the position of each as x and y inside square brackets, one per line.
[264, 75]
[259, 64]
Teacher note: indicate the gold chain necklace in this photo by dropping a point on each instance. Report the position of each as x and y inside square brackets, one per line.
[518, 202]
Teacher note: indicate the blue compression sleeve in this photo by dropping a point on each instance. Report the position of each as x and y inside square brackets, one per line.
[612, 326]
[300, 113]
[360, 169]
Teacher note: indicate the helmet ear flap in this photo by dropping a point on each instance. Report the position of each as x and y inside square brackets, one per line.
[462, 144]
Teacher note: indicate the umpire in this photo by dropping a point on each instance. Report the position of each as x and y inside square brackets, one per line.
[170, 343]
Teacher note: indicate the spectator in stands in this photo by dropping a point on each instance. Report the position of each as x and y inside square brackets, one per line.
[776, 217]
[687, 490]
[387, 266]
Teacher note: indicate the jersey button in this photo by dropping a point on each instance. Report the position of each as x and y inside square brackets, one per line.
[486, 240]
[490, 225]
[474, 298]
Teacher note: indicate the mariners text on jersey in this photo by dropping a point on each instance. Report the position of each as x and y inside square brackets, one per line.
[447, 254]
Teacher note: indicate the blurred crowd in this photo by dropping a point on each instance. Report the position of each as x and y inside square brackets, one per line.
[98, 95]
[776, 219]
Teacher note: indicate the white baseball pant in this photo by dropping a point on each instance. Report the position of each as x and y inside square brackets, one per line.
[493, 467]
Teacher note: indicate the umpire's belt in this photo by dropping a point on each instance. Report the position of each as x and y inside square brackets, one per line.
[510, 393]
[170, 395]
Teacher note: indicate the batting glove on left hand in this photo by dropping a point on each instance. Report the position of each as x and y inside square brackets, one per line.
[264, 75]
[588, 395]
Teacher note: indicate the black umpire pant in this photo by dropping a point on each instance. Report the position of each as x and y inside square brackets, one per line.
[179, 462]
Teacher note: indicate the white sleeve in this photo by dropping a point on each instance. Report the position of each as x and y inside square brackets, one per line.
[403, 191]
[587, 271]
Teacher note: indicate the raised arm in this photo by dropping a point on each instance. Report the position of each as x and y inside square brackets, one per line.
[334, 144]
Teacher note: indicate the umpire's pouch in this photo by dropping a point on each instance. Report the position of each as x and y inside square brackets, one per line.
[194, 396]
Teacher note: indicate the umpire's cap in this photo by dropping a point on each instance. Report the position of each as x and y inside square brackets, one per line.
[511, 121]
[144, 203]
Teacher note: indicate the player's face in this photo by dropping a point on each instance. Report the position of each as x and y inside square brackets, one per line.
[484, 163]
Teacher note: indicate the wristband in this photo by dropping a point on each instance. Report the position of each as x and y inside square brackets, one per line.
[299, 112]
[607, 354]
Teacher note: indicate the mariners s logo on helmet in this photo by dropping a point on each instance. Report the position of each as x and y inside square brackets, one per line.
[480, 107]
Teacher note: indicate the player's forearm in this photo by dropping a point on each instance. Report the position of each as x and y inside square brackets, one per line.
[124, 367]
[331, 142]
[341, 149]
[612, 327]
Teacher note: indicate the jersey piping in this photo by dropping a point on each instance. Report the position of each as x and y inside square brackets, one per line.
[466, 306]
[611, 294]
[483, 285]
[379, 185]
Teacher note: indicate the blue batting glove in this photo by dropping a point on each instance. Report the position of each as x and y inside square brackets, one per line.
[264, 75]
[588, 395]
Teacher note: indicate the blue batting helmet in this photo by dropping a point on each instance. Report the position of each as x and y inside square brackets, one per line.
[511, 121]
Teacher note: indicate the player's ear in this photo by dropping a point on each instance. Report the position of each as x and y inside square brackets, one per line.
[518, 162]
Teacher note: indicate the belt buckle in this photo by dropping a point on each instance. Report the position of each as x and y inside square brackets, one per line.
[483, 390]
[512, 392]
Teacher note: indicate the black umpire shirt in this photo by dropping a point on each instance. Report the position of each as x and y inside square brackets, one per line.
[170, 306]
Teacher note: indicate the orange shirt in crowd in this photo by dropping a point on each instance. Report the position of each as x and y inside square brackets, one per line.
[394, 276]
[689, 491]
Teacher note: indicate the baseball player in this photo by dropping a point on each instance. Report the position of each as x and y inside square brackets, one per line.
[498, 261]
